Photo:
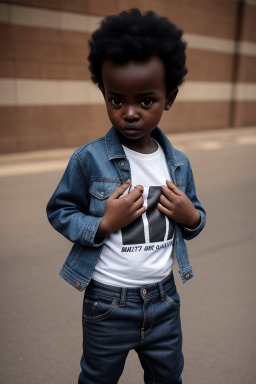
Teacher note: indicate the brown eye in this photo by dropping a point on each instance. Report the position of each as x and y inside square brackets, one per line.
[146, 102]
[116, 102]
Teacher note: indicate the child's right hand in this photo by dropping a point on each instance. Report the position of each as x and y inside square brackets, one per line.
[121, 212]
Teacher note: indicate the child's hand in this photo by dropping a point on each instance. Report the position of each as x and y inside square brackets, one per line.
[177, 206]
[121, 212]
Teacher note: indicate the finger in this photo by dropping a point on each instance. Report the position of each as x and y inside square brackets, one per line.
[168, 193]
[138, 203]
[136, 193]
[139, 187]
[120, 190]
[140, 211]
[164, 210]
[173, 188]
[165, 202]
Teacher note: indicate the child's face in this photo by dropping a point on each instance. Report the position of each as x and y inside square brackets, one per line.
[135, 96]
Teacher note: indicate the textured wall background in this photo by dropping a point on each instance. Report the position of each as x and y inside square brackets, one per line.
[48, 101]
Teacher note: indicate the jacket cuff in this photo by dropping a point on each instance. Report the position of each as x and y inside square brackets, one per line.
[90, 231]
[193, 229]
[189, 233]
[186, 274]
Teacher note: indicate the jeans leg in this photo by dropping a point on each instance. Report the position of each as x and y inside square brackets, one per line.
[96, 370]
[104, 347]
[116, 321]
[160, 351]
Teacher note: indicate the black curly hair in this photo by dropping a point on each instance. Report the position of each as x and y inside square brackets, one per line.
[132, 35]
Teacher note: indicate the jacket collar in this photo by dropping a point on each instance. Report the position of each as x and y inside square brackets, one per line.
[113, 145]
[115, 149]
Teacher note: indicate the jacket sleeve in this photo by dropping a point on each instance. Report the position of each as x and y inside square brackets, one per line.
[67, 209]
[188, 233]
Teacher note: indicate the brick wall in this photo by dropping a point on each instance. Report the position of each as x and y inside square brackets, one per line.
[48, 101]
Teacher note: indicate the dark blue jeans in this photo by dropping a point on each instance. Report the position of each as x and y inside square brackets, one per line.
[117, 320]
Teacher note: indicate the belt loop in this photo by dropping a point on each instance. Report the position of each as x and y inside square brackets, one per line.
[161, 291]
[123, 297]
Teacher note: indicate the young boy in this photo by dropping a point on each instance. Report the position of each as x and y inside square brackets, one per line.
[128, 201]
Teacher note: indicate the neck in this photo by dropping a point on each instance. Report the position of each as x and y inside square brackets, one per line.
[142, 146]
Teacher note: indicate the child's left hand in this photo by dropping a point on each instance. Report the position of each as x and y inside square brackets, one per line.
[177, 206]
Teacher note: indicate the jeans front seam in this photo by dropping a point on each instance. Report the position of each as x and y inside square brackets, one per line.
[151, 325]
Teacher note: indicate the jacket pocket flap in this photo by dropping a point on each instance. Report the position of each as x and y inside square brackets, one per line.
[103, 189]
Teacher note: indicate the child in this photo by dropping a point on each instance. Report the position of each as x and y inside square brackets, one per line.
[128, 201]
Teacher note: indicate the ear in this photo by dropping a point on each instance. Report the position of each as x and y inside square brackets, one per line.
[170, 97]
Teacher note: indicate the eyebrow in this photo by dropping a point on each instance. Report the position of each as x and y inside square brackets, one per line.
[143, 94]
[114, 94]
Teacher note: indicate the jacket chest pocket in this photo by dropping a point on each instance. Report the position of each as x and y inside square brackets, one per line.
[99, 193]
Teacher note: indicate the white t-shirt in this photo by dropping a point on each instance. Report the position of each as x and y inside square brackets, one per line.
[140, 253]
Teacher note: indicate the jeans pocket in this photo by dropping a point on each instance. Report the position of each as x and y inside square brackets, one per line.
[173, 298]
[97, 309]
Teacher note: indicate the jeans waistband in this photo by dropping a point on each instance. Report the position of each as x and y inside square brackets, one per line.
[132, 292]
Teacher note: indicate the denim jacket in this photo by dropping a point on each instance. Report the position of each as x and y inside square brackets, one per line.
[77, 206]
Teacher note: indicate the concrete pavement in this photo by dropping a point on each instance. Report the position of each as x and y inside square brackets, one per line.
[40, 317]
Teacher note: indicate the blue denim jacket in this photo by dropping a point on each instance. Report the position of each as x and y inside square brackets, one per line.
[76, 208]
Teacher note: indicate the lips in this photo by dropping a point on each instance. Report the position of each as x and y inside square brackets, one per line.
[131, 131]
[131, 128]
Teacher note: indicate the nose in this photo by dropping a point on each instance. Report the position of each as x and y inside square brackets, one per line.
[131, 113]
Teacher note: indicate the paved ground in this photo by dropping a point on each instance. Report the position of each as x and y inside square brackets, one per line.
[40, 317]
